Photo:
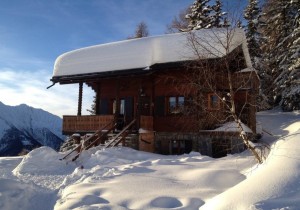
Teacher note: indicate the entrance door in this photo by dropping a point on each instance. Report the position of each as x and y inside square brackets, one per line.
[125, 112]
[128, 109]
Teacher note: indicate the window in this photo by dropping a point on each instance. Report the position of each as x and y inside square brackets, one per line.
[181, 101]
[114, 106]
[213, 102]
[175, 104]
[121, 108]
[172, 104]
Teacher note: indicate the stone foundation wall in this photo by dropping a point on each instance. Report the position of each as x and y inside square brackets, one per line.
[210, 143]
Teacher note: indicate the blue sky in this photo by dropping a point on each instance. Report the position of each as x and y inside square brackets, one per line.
[33, 33]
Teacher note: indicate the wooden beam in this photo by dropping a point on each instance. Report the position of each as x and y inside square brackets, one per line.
[152, 96]
[117, 98]
[139, 101]
[80, 99]
[98, 96]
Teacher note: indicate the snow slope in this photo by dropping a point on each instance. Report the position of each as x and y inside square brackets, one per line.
[122, 178]
[274, 184]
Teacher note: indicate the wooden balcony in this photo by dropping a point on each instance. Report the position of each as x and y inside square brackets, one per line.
[85, 124]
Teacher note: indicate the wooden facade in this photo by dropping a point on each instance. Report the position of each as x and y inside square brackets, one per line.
[155, 101]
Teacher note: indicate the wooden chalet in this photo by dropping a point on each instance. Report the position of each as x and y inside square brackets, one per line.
[134, 85]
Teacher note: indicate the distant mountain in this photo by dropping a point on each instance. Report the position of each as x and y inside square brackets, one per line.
[24, 127]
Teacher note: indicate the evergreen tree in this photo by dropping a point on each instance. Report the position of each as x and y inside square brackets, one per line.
[281, 19]
[199, 17]
[92, 111]
[239, 24]
[252, 14]
[291, 91]
[217, 19]
[202, 15]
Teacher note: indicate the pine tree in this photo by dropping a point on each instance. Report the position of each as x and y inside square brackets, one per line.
[202, 15]
[199, 17]
[92, 111]
[252, 14]
[279, 52]
[217, 19]
[291, 92]
[239, 24]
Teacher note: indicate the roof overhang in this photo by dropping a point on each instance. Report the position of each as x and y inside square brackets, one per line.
[90, 77]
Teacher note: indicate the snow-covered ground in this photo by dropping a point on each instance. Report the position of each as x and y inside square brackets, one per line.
[122, 178]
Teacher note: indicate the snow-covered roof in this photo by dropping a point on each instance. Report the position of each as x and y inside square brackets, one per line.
[144, 52]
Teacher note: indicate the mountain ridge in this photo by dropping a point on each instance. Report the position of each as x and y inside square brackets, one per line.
[24, 127]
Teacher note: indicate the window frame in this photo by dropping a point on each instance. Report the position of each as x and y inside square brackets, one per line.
[210, 102]
[179, 105]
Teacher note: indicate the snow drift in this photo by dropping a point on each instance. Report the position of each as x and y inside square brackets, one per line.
[123, 178]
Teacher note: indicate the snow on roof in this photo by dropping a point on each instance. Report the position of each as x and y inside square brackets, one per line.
[144, 52]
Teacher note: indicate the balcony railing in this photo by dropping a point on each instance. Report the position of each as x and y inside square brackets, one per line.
[84, 124]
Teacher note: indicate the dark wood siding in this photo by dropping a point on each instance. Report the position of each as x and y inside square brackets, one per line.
[148, 95]
[159, 105]
[129, 109]
[104, 106]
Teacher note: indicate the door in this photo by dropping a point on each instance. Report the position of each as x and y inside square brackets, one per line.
[125, 112]
[128, 109]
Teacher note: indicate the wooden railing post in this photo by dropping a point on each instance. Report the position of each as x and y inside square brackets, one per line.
[117, 99]
[80, 99]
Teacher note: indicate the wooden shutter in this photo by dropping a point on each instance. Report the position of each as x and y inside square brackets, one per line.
[159, 106]
[129, 106]
[104, 109]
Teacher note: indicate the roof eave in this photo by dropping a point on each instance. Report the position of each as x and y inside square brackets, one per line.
[69, 79]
